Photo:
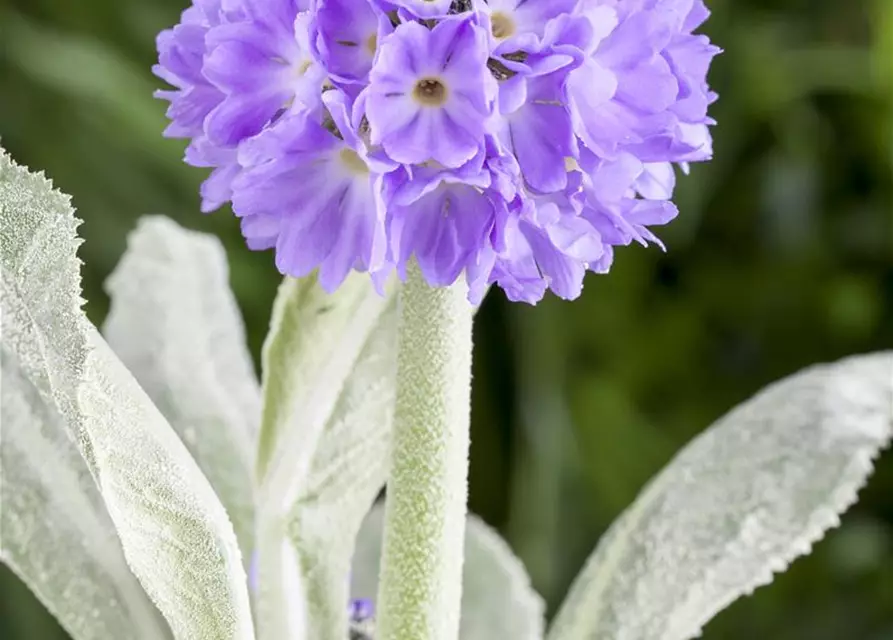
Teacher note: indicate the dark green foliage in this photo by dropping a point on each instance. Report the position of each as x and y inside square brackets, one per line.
[783, 256]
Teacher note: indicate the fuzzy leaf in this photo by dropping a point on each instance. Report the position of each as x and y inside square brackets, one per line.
[175, 324]
[55, 532]
[328, 403]
[737, 505]
[176, 535]
[498, 601]
[174, 532]
[325, 334]
[349, 469]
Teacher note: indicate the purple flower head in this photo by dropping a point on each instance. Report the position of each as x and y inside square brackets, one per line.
[515, 142]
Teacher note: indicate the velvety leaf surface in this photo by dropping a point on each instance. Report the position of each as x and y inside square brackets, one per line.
[55, 532]
[175, 324]
[738, 504]
[175, 534]
[328, 404]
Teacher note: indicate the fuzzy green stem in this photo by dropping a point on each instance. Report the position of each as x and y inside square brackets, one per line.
[420, 587]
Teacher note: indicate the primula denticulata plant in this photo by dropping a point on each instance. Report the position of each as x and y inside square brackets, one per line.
[400, 157]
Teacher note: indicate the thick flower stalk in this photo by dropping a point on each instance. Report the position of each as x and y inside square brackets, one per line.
[514, 142]
[420, 587]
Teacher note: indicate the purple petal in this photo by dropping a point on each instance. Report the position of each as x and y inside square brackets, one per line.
[444, 230]
[563, 275]
[239, 117]
[541, 135]
[346, 35]
[657, 181]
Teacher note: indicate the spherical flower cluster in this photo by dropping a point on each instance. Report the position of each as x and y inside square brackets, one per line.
[515, 141]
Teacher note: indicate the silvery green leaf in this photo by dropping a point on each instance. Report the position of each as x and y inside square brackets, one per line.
[175, 534]
[175, 324]
[325, 334]
[328, 403]
[55, 533]
[498, 601]
[349, 468]
[737, 505]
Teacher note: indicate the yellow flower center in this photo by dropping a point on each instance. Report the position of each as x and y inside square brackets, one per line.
[353, 162]
[430, 92]
[501, 25]
[301, 68]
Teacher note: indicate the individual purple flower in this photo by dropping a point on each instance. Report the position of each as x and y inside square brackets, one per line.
[687, 138]
[443, 218]
[361, 609]
[180, 59]
[608, 201]
[217, 189]
[312, 191]
[430, 94]
[344, 37]
[262, 65]
[518, 25]
[539, 132]
[622, 92]
[630, 94]
[515, 142]
[537, 125]
[550, 247]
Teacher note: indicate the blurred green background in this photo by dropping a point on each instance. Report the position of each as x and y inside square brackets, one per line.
[782, 257]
